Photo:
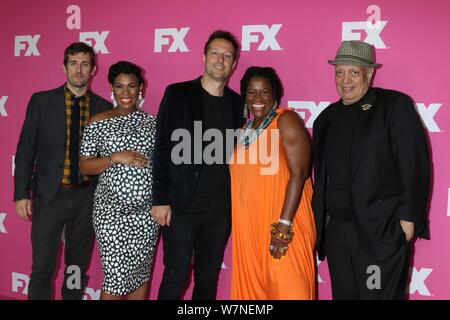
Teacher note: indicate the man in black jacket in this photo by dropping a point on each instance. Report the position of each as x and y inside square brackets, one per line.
[191, 196]
[46, 164]
[372, 179]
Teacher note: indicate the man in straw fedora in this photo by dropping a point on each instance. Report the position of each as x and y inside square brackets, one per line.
[372, 178]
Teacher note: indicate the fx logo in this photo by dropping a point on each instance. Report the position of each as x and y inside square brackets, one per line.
[350, 32]
[3, 100]
[20, 281]
[268, 33]
[162, 37]
[95, 40]
[91, 294]
[28, 43]
[418, 281]
[313, 108]
[2, 221]
[372, 30]
[427, 114]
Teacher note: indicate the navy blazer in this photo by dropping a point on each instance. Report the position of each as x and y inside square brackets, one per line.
[41, 150]
[182, 104]
[390, 172]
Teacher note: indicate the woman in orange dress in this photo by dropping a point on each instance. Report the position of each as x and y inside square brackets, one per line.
[273, 232]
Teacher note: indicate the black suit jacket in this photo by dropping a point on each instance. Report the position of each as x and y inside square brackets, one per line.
[39, 160]
[182, 104]
[390, 172]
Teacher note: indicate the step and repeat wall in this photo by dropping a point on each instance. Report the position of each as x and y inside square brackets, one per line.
[166, 39]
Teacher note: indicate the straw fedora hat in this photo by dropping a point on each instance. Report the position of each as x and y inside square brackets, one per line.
[355, 52]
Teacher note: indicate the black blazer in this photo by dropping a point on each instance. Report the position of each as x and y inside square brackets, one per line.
[39, 160]
[390, 172]
[182, 104]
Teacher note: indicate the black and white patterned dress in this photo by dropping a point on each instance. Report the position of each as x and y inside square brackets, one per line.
[125, 231]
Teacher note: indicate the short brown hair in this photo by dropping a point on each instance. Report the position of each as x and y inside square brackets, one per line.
[222, 34]
[78, 47]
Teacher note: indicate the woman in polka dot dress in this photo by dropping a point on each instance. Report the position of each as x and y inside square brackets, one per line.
[117, 145]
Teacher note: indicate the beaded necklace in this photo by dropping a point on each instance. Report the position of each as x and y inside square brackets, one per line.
[248, 135]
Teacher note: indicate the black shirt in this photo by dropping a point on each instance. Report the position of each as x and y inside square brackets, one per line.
[339, 147]
[213, 189]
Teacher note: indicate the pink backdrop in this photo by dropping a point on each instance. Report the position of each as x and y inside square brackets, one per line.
[295, 37]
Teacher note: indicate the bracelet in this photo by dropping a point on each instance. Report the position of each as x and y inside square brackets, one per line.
[285, 222]
[284, 238]
[110, 160]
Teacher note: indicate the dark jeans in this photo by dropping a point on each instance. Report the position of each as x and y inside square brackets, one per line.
[203, 233]
[72, 210]
[355, 273]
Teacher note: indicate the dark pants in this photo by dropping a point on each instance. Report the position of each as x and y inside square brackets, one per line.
[203, 233]
[71, 209]
[355, 273]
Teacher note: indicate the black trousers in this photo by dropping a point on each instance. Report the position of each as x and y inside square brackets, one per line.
[355, 273]
[203, 233]
[70, 210]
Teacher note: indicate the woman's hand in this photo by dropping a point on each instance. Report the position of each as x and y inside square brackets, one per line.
[162, 214]
[277, 248]
[131, 158]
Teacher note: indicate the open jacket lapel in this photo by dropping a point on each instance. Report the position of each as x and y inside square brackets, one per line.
[195, 103]
[58, 112]
[322, 144]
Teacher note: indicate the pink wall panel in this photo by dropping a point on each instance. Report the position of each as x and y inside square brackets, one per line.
[294, 37]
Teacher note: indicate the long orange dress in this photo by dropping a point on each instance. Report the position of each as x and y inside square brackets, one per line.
[257, 201]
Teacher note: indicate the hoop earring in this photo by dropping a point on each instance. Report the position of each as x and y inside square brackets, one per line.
[141, 100]
[245, 114]
[114, 102]
[275, 105]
